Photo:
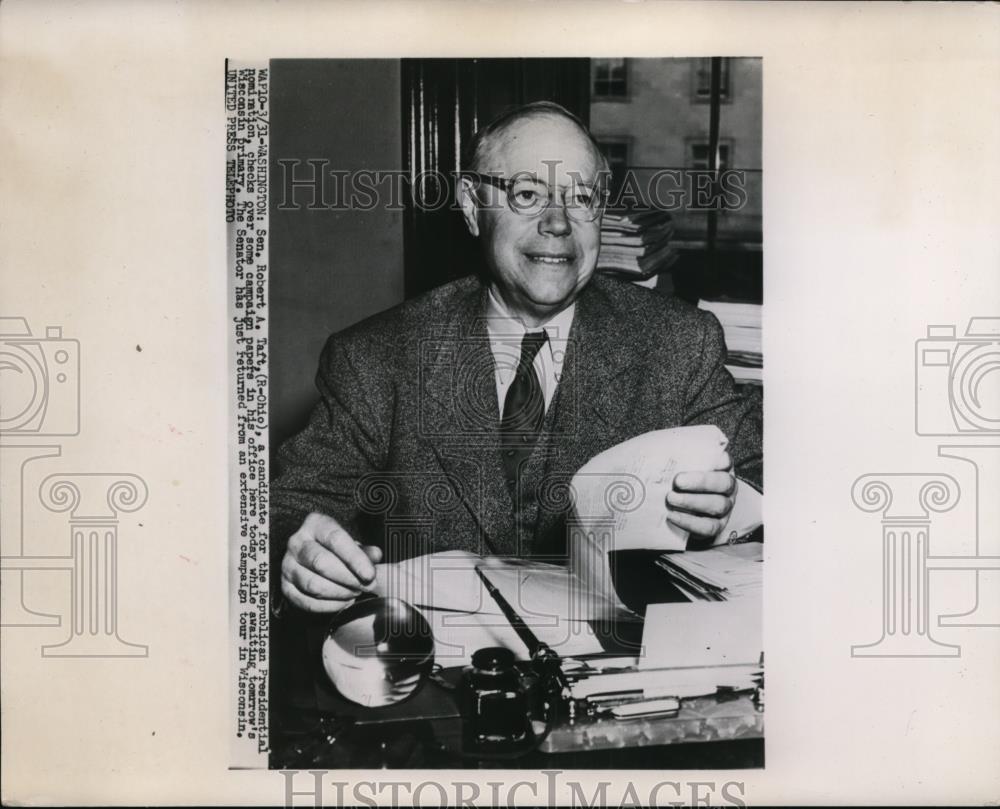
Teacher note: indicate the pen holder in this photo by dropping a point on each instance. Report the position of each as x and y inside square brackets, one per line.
[496, 702]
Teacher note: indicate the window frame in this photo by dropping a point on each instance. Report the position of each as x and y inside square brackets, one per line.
[615, 99]
[698, 140]
[725, 91]
[617, 140]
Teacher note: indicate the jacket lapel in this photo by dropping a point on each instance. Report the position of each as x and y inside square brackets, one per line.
[591, 411]
[460, 419]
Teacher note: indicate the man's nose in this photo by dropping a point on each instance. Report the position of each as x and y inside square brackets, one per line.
[553, 220]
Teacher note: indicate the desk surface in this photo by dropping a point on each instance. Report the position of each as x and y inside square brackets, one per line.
[311, 726]
[418, 745]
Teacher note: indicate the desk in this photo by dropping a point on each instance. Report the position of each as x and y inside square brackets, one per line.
[312, 727]
[417, 745]
[707, 734]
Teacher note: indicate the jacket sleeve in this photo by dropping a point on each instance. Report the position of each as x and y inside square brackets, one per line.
[319, 468]
[713, 398]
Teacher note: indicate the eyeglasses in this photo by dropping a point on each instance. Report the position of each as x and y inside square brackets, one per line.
[529, 196]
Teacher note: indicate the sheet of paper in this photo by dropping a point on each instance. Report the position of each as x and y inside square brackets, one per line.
[458, 635]
[626, 486]
[702, 633]
[444, 580]
[619, 502]
[548, 594]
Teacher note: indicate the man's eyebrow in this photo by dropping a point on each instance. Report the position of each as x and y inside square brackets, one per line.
[575, 179]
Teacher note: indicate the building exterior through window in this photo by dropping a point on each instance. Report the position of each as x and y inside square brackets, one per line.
[653, 119]
[610, 78]
[664, 123]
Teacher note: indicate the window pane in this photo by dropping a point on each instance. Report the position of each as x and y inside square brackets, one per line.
[616, 153]
[703, 78]
[703, 84]
[701, 156]
[610, 77]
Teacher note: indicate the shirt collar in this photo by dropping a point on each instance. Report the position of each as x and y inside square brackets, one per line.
[501, 324]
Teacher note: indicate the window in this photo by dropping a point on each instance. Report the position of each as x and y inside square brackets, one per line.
[616, 152]
[610, 78]
[703, 79]
[698, 155]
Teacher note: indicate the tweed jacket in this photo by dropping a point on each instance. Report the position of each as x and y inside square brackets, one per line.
[403, 448]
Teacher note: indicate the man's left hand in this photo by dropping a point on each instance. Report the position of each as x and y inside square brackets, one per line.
[701, 501]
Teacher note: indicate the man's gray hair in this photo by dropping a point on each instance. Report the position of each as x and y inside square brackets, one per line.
[481, 141]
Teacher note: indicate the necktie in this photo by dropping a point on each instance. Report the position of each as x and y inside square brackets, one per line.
[523, 409]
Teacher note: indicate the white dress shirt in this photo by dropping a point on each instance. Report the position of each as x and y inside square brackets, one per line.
[506, 332]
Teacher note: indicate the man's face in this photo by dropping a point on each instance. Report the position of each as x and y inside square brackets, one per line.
[539, 264]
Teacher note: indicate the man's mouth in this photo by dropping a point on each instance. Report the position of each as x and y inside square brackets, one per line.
[549, 258]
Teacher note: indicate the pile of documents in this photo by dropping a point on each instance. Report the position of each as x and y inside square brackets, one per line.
[689, 650]
[720, 574]
[606, 679]
[636, 245]
[741, 326]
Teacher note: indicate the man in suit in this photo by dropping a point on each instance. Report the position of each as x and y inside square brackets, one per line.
[455, 420]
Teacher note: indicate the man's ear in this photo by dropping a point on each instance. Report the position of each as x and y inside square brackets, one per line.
[470, 205]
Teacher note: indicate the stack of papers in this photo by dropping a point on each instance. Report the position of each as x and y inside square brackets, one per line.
[636, 244]
[688, 650]
[741, 327]
[720, 574]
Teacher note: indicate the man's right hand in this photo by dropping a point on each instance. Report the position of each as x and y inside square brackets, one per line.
[324, 569]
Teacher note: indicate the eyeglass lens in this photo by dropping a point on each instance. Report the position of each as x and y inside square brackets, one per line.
[529, 196]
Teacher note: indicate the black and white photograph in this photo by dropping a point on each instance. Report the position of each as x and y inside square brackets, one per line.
[516, 424]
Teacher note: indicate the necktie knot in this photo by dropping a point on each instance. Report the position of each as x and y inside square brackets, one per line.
[531, 344]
